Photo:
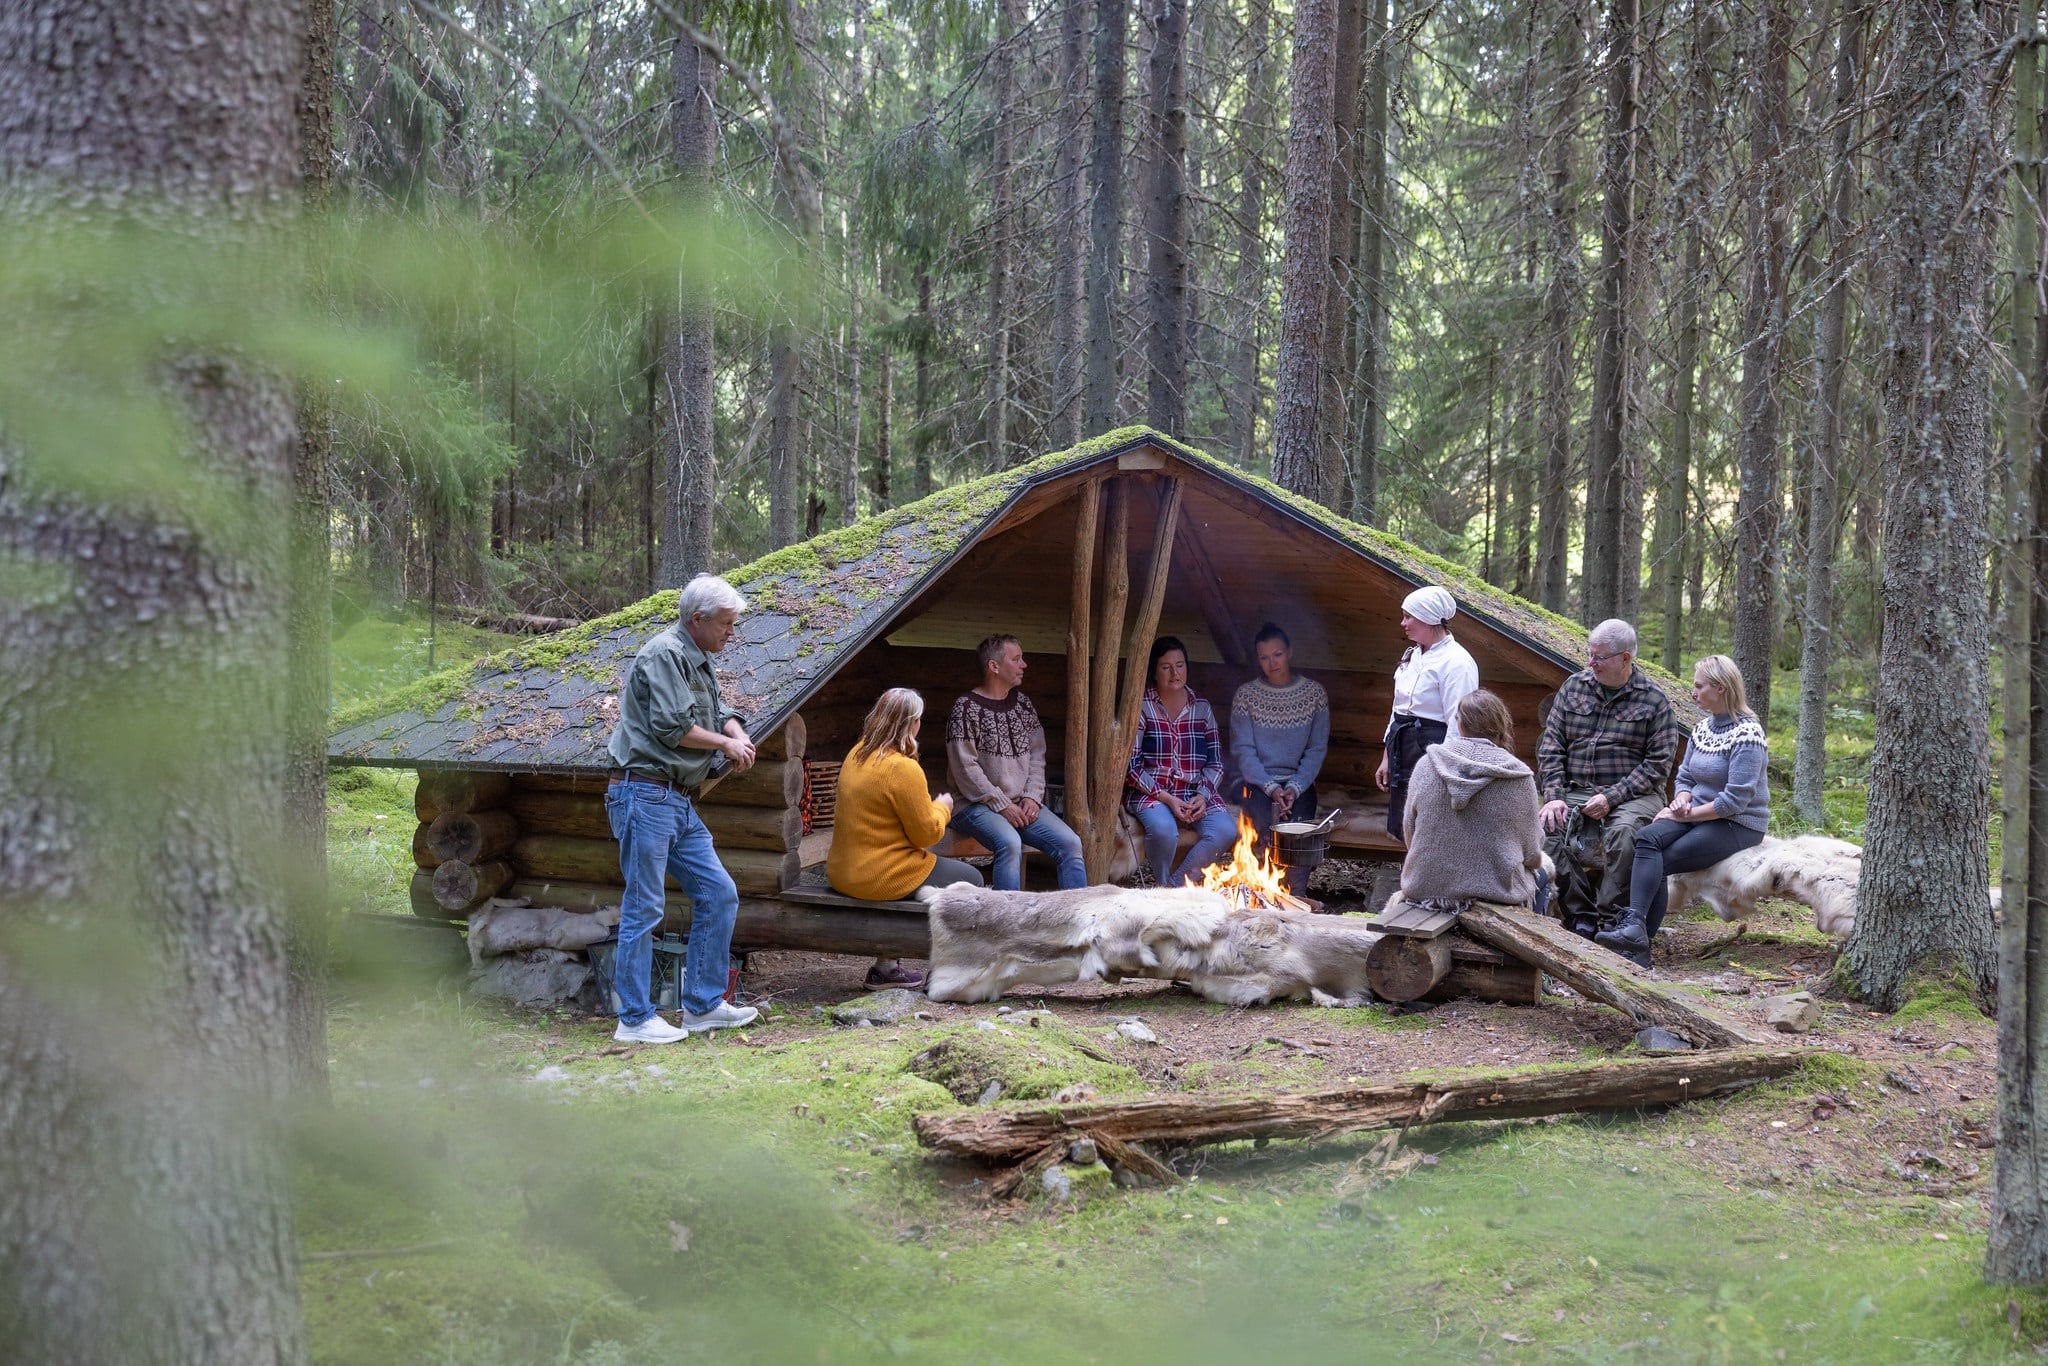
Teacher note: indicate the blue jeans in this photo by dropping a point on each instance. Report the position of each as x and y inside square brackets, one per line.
[1049, 833]
[1213, 834]
[659, 832]
[1667, 847]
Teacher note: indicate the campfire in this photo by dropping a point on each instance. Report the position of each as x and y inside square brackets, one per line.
[1252, 880]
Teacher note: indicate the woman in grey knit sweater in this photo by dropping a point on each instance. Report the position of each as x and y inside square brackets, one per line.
[1722, 806]
[1473, 832]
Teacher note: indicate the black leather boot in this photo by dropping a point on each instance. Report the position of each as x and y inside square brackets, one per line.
[1584, 926]
[1630, 937]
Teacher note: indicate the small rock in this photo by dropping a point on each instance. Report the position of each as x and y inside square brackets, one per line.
[1137, 1031]
[551, 1073]
[1083, 1153]
[1056, 1184]
[1658, 1042]
[991, 1093]
[1002, 1010]
[1074, 1183]
[875, 1008]
[1792, 1014]
[989, 1025]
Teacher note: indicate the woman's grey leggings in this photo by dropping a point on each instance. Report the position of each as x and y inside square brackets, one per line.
[1667, 847]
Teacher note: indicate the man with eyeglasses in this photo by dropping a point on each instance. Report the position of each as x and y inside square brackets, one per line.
[1602, 766]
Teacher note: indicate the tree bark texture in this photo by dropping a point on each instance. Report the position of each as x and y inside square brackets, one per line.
[1674, 505]
[1757, 509]
[689, 490]
[1816, 645]
[1600, 593]
[1070, 252]
[797, 206]
[1369, 304]
[1166, 221]
[1105, 218]
[1250, 285]
[144, 1201]
[1346, 106]
[1563, 49]
[996, 399]
[1305, 260]
[1922, 902]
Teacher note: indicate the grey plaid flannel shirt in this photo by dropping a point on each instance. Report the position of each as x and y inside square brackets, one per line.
[1623, 747]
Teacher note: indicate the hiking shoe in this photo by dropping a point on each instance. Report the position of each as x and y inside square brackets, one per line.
[896, 975]
[653, 1029]
[724, 1015]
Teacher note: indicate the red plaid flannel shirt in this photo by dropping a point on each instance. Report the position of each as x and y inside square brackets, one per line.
[1182, 756]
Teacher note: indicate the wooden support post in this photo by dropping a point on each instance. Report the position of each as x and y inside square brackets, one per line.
[1010, 1132]
[1601, 976]
[1080, 599]
[1105, 766]
[1123, 727]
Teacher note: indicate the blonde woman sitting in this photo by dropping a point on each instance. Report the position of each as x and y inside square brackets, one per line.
[887, 819]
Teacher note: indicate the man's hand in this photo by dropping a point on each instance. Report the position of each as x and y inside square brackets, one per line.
[1597, 807]
[1031, 810]
[1014, 814]
[1380, 774]
[740, 750]
[1554, 815]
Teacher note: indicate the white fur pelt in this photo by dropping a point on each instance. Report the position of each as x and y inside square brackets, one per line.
[502, 926]
[985, 941]
[1813, 870]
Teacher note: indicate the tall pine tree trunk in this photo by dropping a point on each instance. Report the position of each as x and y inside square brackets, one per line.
[1070, 252]
[1250, 285]
[1816, 650]
[1339, 343]
[1601, 587]
[1305, 262]
[1757, 508]
[1369, 305]
[796, 204]
[921, 436]
[1105, 218]
[1674, 510]
[1166, 221]
[848, 459]
[1563, 49]
[996, 401]
[689, 488]
[1922, 902]
[144, 1199]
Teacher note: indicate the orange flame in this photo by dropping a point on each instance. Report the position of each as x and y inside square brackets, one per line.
[1248, 868]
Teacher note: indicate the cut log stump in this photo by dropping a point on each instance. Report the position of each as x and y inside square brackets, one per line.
[1009, 1133]
[1601, 976]
[470, 835]
[459, 886]
[1406, 968]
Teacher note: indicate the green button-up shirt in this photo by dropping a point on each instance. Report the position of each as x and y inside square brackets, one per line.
[669, 688]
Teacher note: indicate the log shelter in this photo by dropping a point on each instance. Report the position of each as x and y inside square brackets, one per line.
[1084, 555]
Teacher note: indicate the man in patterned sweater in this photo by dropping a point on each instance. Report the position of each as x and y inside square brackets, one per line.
[1603, 764]
[995, 758]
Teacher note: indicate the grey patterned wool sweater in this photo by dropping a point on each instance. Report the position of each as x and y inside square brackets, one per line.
[995, 751]
[1473, 832]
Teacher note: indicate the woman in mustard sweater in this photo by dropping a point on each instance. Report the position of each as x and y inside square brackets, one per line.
[886, 819]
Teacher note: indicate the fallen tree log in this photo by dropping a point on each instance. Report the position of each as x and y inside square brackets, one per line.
[1399, 968]
[1010, 1133]
[521, 623]
[1601, 976]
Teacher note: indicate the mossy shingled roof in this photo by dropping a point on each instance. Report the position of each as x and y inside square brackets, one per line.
[549, 704]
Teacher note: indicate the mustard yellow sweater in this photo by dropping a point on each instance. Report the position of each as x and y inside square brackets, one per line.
[882, 825]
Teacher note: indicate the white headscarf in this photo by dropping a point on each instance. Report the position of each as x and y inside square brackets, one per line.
[1432, 604]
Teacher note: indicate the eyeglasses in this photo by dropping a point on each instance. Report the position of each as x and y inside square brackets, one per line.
[1594, 659]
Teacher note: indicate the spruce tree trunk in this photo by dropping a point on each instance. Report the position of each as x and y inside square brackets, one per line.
[1600, 596]
[848, 450]
[1922, 902]
[885, 414]
[1563, 49]
[796, 204]
[1305, 261]
[689, 488]
[1816, 649]
[1368, 403]
[1069, 253]
[1166, 222]
[920, 435]
[144, 1199]
[996, 400]
[311, 616]
[1105, 219]
[1757, 509]
[1339, 341]
[1674, 503]
[1250, 285]
[2017, 1250]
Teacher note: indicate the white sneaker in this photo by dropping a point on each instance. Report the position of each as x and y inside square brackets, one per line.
[653, 1029]
[724, 1015]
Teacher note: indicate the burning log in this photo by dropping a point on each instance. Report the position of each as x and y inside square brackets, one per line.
[1019, 1132]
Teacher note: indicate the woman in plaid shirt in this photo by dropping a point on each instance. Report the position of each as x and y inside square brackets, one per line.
[1176, 773]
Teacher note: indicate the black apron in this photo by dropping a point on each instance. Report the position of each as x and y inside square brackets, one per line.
[1405, 745]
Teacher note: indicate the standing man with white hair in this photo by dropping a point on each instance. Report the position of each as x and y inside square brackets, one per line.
[673, 726]
[1434, 675]
[1605, 756]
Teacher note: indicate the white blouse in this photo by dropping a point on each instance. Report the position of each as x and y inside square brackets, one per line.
[1430, 683]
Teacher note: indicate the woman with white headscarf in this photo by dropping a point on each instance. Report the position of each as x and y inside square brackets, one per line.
[1434, 675]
